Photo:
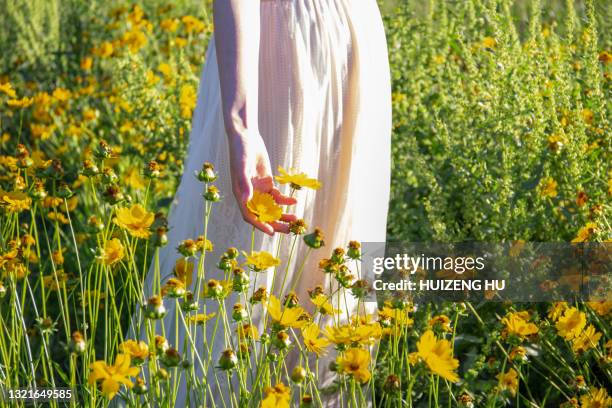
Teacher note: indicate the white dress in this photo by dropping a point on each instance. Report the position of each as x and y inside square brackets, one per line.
[324, 109]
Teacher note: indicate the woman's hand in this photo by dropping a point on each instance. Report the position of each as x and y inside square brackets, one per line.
[250, 170]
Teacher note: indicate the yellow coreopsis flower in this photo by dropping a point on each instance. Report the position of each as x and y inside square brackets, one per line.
[548, 187]
[113, 376]
[7, 89]
[20, 103]
[135, 349]
[518, 324]
[570, 325]
[200, 318]
[587, 340]
[324, 306]
[287, 317]
[509, 381]
[184, 271]
[187, 100]
[260, 261]
[136, 219]
[437, 355]
[297, 180]
[441, 321]
[584, 233]
[312, 341]
[276, 397]
[355, 362]
[264, 207]
[596, 398]
[113, 252]
[602, 307]
[556, 310]
[14, 201]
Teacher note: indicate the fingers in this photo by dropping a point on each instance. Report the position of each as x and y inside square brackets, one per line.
[251, 219]
[288, 217]
[282, 199]
[280, 227]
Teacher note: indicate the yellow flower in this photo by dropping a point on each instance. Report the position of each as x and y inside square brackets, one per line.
[547, 187]
[355, 362]
[192, 24]
[289, 317]
[596, 398]
[570, 325]
[441, 321]
[7, 89]
[184, 271]
[200, 318]
[312, 341]
[264, 207]
[113, 252]
[396, 316]
[602, 307]
[276, 397]
[105, 50]
[489, 42]
[135, 349]
[134, 179]
[187, 100]
[587, 340]
[438, 356]
[518, 324]
[170, 25]
[86, 63]
[14, 201]
[260, 261]
[323, 305]
[20, 103]
[585, 232]
[556, 310]
[136, 220]
[364, 334]
[296, 180]
[509, 381]
[247, 331]
[112, 376]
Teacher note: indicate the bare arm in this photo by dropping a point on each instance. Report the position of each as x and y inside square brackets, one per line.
[237, 43]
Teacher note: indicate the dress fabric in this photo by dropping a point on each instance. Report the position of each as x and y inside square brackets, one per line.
[324, 109]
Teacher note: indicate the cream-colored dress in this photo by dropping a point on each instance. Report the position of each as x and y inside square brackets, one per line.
[324, 109]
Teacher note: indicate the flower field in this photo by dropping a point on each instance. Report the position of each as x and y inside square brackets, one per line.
[501, 134]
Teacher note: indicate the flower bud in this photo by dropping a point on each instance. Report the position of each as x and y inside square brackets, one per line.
[2, 290]
[291, 300]
[94, 224]
[161, 344]
[64, 191]
[241, 280]
[38, 193]
[160, 238]
[260, 295]
[214, 289]
[239, 313]
[155, 308]
[174, 288]
[316, 291]
[104, 151]
[212, 194]
[315, 239]
[281, 340]
[162, 375]
[109, 176]
[113, 194]
[307, 401]
[232, 253]
[187, 248]
[226, 264]
[77, 343]
[361, 288]
[171, 358]
[243, 351]
[228, 360]
[392, 384]
[55, 170]
[298, 374]
[23, 157]
[207, 174]
[89, 168]
[152, 170]
[298, 227]
[354, 250]
[140, 387]
[338, 256]
[188, 303]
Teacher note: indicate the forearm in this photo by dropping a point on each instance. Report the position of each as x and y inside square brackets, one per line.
[237, 44]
